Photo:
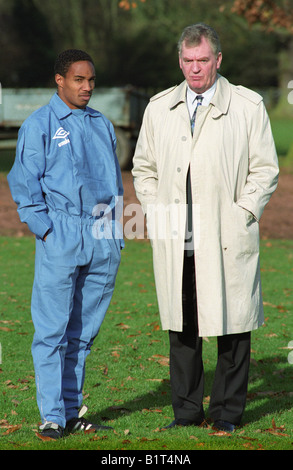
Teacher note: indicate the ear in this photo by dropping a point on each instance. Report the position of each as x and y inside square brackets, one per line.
[219, 60]
[59, 80]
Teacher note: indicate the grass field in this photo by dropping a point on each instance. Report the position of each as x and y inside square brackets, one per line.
[282, 131]
[127, 381]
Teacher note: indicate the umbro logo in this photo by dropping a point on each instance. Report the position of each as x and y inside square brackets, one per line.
[62, 134]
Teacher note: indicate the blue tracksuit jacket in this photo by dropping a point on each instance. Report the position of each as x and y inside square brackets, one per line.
[64, 164]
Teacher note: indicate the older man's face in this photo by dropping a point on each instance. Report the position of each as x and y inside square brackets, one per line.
[199, 65]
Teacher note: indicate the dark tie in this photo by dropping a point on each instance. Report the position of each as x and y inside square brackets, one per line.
[189, 251]
[199, 99]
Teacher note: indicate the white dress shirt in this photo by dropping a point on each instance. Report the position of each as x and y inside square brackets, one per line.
[207, 96]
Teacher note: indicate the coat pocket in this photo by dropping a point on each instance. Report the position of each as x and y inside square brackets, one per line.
[242, 233]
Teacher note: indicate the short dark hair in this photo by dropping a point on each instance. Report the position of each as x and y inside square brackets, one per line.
[67, 58]
[194, 33]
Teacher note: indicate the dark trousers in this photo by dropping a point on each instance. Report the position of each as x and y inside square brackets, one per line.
[228, 396]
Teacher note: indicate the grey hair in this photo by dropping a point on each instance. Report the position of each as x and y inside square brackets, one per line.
[193, 34]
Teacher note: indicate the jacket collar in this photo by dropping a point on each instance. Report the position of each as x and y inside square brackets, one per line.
[222, 97]
[220, 100]
[62, 110]
[179, 95]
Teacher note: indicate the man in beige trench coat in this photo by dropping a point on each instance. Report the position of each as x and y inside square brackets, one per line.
[224, 170]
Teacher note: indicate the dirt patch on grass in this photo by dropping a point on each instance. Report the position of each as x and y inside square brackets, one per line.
[276, 222]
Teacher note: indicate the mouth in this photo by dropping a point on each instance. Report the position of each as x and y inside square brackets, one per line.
[86, 96]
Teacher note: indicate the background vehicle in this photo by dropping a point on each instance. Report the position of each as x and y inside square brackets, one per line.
[124, 107]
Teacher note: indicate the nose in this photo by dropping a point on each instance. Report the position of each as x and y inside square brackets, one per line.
[88, 85]
[195, 66]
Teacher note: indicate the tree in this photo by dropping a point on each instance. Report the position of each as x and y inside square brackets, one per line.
[131, 42]
[271, 15]
[276, 17]
[25, 45]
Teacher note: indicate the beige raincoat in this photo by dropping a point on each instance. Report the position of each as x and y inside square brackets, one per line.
[233, 171]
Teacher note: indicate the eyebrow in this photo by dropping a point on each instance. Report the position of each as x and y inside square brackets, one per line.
[81, 76]
[199, 58]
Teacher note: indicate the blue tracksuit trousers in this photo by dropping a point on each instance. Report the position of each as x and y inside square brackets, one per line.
[74, 281]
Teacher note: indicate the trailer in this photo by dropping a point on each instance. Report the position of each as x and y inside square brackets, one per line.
[124, 107]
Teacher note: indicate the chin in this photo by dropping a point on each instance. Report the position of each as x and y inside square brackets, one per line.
[197, 87]
[83, 104]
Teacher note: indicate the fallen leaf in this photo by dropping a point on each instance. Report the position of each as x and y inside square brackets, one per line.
[115, 354]
[155, 380]
[220, 433]
[248, 438]
[163, 360]
[148, 410]
[43, 438]
[122, 326]
[145, 439]
[12, 428]
[268, 304]
[89, 431]
[95, 438]
[248, 445]
[4, 423]
[275, 430]
[15, 402]
[23, 381]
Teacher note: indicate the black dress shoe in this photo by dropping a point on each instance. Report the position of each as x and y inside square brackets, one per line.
[224, 426]
[180, 422]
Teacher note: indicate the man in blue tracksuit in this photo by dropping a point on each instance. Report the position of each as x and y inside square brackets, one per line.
[67, 184]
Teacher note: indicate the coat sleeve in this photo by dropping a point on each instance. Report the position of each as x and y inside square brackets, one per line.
[24, 180]
[263, 172]
[144, 163]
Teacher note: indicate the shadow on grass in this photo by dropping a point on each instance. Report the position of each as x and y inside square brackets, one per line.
[269, 392]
